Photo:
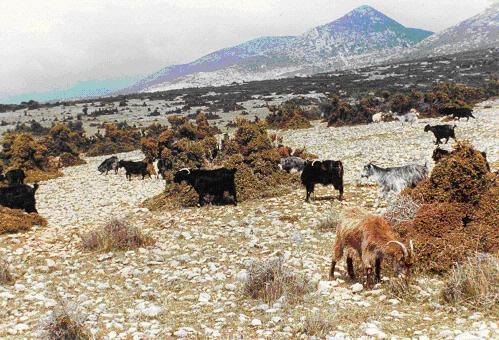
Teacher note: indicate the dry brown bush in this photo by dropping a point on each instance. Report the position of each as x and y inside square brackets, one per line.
[15, 220]
[462, 177]
[116, 235]
[399, 288]
[5, 276]
[65, 322]
[269, 280]
[459, 214]
[474, 282]
[287, 116]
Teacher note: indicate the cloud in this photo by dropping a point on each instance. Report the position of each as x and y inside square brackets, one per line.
[53, 44]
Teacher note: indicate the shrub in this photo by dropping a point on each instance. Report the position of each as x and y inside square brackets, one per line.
[22, 150]
[116, 235]
[15, 220]
[399, 288]
[474, 282]
[288, 115]
[116, 139]
[5, 275]
[269, 280]
[462, 177]
[65, 322]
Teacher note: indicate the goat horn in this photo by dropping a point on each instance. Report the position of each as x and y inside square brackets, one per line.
[411, 247]
[186, 169]
[313, 162]
[404, 249]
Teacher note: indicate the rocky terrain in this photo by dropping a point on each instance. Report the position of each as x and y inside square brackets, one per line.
[190, 283]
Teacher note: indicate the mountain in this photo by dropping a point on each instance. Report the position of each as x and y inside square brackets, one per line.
[478, 32]
[82, 89]
[354, 40]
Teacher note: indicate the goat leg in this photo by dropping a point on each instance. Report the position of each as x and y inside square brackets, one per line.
[350, 270]
[377, 269]
[369, 278]
[331, 270]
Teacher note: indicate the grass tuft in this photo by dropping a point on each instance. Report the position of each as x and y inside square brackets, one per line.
[5, 276]
[318, 325]
[116, 235]
[65, 322]
[269, 280]
[474, 283]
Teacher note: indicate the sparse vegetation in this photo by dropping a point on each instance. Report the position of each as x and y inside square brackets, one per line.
[269, 280]
[474, 282]
[14, 220]
[116, 235]
[65, 322]
[318, 325]
[5, 275]
[329, 223]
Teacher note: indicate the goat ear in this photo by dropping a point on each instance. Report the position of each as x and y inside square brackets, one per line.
[411, 247]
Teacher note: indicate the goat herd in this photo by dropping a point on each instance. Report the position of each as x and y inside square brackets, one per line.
[371, 236]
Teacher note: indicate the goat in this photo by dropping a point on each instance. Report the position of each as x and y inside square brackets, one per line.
[395, 178]
[373, 239]
[322, 172]
[15, 176]
[209, 182]
[134, 168]
[377, 117]
[108, 164]
[441, 131]
[19, 196]
[163, 166]
[457, 112]
[289, 163]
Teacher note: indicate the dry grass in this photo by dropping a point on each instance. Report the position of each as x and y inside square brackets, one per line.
[400, 289]
[5, 276]
[329, 223]
[15, 220]
[474, 283]
[65, 322]
[116, 235]
[318, 325]
[269, 280]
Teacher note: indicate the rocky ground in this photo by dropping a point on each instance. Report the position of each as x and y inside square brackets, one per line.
[190, 283]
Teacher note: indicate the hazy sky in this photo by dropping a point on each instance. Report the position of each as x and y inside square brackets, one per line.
[51, 44]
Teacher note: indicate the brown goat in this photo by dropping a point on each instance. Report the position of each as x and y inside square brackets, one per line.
[373, 239]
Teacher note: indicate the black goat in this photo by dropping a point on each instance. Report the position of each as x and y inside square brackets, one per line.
[134, 168]
[322, 172]
[109, 164]
[19, 196]
[457, 112]
[441, 132]
[209, 182]
[15, 176]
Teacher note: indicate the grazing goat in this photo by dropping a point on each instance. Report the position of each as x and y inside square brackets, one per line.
[109, 164]
[19, 196]
[373, 239]
[289, 163]
[395, 178]
[377, 117]
[209, 182]
[457, 112]
[134, 168]
[15, 176]
[441, 131]
[322, 172]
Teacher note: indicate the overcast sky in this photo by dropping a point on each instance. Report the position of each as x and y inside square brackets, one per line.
[51, 44]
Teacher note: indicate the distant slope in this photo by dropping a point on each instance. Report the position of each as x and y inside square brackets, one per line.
[356, 39]
[478, 32]
[83, 89]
